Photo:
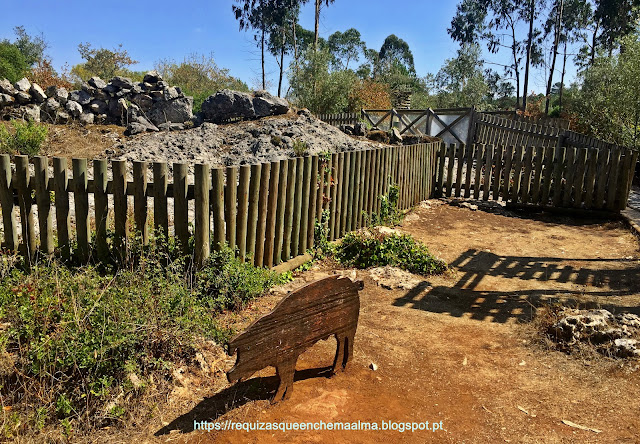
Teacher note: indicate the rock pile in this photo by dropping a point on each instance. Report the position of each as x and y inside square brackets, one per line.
[227, 105]
[149, 105]
[611, 335]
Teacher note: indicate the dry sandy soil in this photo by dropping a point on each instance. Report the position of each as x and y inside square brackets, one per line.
[459, 348]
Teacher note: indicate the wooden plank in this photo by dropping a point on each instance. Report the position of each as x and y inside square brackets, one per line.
[25, 204]
[230, 205]
[280, 216]
[348, 212]
[140, 209]
[243, 211]
[468, 171]
[589, 184]
[160, 206]
[450, 161]
[626, 173]
[81, 203]
[537, 173]
[306, 189]
[327, 187]
[375, 175]
[289, 209]
[297, 207]
[526, 179]
[517, 173]
[602, 175]
[578, 187]
[488, 162]
[497, 172]
[217, 205]
[202, 229]
[369, 159]
[313, 199]
[101, 203]
[460, 159]
[557, 175]
[341, 202]
[10, 241]
[361, 190]
[272, 209]
[119, 171]
[253, 211]
[568, 190]
[263, 214]
[43, 201]
[441, 160]
[63, 224]
[612, 184]
[629, 179]
[180, 205]
[479, 158]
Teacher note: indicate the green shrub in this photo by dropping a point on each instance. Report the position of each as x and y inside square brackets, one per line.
[389, 214]
[13, 66]
[300, 147]
[76, 334]
[370, 248]
[27, 138]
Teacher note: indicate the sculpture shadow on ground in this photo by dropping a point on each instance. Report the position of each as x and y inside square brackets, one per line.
[253, 389]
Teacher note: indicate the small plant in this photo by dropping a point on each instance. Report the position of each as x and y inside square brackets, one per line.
[321, 236]
[276, 140]
[370, 248]
[389, 213]
[27, 138]
[300, 147]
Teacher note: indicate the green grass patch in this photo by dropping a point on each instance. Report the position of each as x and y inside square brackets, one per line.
[26, 138]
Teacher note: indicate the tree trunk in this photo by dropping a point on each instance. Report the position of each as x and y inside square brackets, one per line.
[593, 43]
[515, 65]
[315, 39]
[281, 62]
[264, 85]
[555, 54]
[564, 71]
[532, 6]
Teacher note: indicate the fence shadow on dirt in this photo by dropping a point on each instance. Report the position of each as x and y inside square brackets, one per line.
[253, 389]
[591, 283]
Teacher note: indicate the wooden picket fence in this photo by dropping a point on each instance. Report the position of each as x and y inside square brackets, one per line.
[340, 118]
[496, 130]
[562, 176]
[267, 211]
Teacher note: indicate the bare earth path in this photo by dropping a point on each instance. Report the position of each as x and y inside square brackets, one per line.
[458, 348]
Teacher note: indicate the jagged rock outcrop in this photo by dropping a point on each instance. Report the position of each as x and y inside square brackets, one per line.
[228, 105]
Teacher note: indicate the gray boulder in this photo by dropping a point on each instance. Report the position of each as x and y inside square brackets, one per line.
[97, 82]
[30, 112]
[111, 89]
[169, 126]
[74, 108]
[37, 93]
[265, 104]
[138, 123]
[23, 97]
[152, 77]
[175, 111]
[226, 104]
[122, 82]
[81, 96]
[23, 85]
[49, 109]
[360, 129]
[86, 118]
[171, 93]
[7, 88]
[60, 94]
[144, 101]
[118, 111]
[6, 99]
[98, 106]
[62, 116]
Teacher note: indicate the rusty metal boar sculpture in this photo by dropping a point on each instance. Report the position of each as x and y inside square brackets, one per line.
[316, 311]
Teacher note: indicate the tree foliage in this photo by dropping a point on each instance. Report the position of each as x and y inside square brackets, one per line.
[12, 63]
[102, 62]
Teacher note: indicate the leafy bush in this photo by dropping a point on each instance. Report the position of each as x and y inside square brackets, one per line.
[12, 63]
[370, 248]
[300, 147]
[389, 213]
[27, 138]
[75, 336]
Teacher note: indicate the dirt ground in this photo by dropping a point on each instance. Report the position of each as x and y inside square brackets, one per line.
[459, 348]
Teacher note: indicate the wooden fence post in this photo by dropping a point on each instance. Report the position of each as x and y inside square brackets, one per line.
[81, 201]
[140, 208]
[202, 214]
[101, 201]
[180, 205]
[41, 169]
[60, 185]
[6, 200]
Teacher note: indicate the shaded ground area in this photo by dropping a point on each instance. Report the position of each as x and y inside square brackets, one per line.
[458, 348]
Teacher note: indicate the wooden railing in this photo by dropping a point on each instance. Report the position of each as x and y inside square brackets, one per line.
[561, 177]
[267, 211]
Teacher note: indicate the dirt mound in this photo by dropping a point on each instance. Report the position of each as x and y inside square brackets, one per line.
[242, 143]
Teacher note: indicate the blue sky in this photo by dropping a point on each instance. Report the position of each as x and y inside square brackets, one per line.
[162, 29]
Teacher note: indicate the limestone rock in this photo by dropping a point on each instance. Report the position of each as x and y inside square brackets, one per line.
[177, 111]
[98, 106]
[60, 94]
[264, 104]
[122, 82]
[23, 85]
[7, 88]
[86, 118]
[37, 93]
[226, 105]
[97, 82]
[152, 77]
[74, 108]
[6, 99]
[81, 96]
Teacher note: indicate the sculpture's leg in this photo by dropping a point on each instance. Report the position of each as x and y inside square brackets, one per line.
[285, 371]
[337, 362]
[348, 348]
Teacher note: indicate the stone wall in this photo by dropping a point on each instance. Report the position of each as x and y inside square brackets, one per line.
[146, 106]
